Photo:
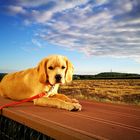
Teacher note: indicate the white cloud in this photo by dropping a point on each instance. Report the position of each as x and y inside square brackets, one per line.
[27, 22]
[36, 43]
[100, 2]
[102, 28]
[43, 16]
[13, 10]
[128, 6]
[32, 3]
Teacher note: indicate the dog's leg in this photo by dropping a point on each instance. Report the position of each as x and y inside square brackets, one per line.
[55, 102]
[64, 98]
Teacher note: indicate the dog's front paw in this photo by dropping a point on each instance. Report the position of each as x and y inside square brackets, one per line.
[76, 107]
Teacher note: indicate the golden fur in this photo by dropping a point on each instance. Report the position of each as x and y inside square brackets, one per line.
[27, 83]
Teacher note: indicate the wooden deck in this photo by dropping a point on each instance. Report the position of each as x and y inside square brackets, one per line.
[95, 121]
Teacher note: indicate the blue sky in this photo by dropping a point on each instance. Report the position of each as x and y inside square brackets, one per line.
[96, 35]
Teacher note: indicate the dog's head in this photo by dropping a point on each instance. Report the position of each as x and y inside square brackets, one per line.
[55, 69]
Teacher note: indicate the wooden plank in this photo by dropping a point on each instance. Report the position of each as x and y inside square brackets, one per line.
[95, 121]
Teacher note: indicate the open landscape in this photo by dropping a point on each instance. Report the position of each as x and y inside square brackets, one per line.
[109, 90]
[107, 87]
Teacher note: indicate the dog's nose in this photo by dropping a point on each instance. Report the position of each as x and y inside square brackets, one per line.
[58, 77]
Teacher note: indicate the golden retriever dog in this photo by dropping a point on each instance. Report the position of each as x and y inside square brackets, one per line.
[51, 71]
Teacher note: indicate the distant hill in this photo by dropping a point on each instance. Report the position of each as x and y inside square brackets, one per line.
[117, 75]
[108, 75]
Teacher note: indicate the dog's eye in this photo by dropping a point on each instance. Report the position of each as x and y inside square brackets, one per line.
[50, 68]
[63, 67]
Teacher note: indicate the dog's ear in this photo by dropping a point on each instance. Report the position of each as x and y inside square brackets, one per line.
[69, 71]
[42, 71]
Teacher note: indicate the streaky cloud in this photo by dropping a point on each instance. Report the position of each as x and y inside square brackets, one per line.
[99, 28]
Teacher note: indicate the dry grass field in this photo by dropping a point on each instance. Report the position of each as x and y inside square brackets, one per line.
[114, 90]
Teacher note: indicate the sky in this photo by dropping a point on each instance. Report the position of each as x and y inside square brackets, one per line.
[96, 35]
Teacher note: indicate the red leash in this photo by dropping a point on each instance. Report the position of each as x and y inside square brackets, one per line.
[23, 101]
[27, 99]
